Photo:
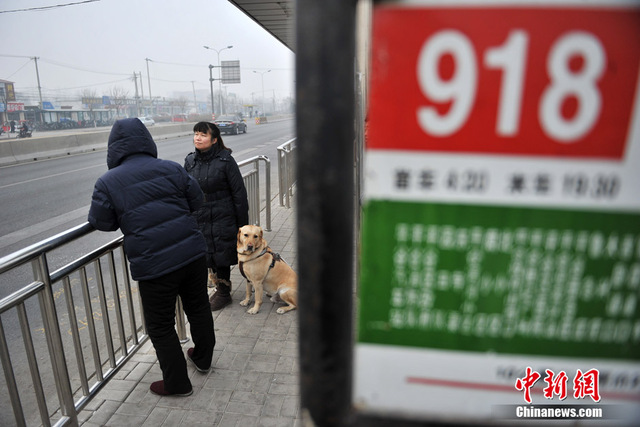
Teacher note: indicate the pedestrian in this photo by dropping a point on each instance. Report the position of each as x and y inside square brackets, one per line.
[152, 201]
[225, 208]
[13, 126]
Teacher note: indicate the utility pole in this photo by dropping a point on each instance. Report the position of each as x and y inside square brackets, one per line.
[141, 86]
[195, 103]
[135, 80]
[35, 59]
[149, 83]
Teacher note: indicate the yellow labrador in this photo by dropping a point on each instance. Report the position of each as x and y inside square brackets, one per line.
[265, 271]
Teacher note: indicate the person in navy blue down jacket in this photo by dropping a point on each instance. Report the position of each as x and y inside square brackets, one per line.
[152, 201]
[225, 208]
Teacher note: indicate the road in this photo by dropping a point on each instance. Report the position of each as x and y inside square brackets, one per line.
[41, 199]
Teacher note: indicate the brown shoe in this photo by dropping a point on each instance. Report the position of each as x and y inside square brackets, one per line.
[158, 388]
[222, 297]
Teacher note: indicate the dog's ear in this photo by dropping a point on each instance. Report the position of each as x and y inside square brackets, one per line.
[239, 234]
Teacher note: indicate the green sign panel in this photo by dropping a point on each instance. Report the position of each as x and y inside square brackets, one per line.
[508, 280]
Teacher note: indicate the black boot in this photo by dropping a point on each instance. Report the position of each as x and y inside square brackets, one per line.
[222, 297]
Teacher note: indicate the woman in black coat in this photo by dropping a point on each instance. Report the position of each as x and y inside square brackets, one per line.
[225, 207]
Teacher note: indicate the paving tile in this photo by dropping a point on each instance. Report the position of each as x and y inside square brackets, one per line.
[275, 422]
[249, 397]
[104, 413]
[272, 405]
[157, 417]
[174, 418]
[125, 421]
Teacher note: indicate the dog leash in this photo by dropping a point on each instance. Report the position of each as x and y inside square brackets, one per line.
[275, 257]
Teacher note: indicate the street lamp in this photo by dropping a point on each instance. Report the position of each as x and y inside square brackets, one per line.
[219, 76]
[262, 73]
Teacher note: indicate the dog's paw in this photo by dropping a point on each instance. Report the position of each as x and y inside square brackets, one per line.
[244, 302]
[281, 310]
[253, 310]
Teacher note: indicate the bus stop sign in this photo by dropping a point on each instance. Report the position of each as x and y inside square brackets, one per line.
[500, 261]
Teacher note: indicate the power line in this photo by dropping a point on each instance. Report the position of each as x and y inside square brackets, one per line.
[59, 64]
[47, 7]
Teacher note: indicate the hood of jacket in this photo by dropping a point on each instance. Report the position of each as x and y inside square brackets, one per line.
[127, 137]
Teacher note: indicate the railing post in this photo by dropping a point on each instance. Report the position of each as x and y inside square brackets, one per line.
[180, 323]
[54, 341]
[267, 190]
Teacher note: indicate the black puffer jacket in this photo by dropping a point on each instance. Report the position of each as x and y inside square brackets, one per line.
[225, 207]
[150, 200]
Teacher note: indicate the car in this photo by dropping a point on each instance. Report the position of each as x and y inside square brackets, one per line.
[147, 121]
[232, 124]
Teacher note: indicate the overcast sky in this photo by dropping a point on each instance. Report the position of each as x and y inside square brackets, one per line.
[99, 44]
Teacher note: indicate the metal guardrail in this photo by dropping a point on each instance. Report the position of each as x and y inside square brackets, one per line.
[286, 171]
[252, 184]
[76, 385]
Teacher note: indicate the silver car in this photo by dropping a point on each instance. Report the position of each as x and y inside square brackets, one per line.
[147, 121]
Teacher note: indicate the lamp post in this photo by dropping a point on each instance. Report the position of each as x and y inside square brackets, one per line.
[262, 73]
[219, 76]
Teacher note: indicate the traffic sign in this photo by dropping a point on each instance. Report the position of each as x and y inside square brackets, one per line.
[501, 222]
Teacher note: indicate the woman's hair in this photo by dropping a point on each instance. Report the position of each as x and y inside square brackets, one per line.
[208, 127]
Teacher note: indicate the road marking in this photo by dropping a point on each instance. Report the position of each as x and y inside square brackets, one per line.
[47, 177]
[41, 227]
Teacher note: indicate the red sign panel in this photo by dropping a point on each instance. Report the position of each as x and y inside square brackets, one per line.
[524, 81]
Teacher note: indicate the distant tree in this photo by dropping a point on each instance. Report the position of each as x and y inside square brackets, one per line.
[181, 103]
[119, 97]
[90, 98]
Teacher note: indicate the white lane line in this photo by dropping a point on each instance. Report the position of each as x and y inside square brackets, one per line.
[47, 177]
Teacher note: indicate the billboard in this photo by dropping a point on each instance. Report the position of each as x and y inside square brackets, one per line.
[230, 72]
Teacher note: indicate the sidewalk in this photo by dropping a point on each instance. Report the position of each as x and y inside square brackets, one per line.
[254, 380]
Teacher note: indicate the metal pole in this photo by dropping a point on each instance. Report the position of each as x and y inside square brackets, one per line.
[326, 205]
[262, 76]
[219, 83]
[219, 75]
[262, 73]
[211, 84]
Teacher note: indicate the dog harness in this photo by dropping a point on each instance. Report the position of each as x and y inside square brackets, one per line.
[275, 257]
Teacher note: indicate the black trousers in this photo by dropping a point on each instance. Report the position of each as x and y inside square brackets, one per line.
[159, 305]
[222, 271]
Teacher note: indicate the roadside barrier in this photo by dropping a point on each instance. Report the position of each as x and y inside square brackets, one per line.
[286, 171]
[95, 301]
[252, 184]
[108, 349]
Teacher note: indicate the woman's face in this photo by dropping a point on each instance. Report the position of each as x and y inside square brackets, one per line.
[203, 141]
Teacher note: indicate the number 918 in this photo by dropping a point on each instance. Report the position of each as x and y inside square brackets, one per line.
[461, 88]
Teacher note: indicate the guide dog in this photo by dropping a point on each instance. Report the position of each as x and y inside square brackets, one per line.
[265, 271]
